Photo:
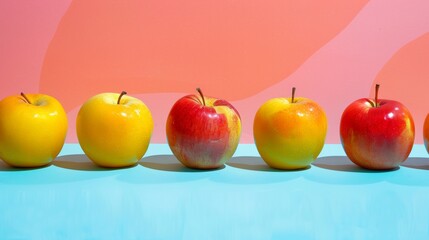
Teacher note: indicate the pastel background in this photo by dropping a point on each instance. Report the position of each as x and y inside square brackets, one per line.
[245, 51]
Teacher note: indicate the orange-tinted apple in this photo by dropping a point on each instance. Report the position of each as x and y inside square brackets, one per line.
[203, 132]
[426, 133]
[377, 134]
[290, 133]
[114, 130]
[33, 129]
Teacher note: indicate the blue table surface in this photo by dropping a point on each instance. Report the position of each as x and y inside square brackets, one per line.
[160, 199]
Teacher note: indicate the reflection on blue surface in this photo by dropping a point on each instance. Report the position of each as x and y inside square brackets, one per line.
[160, 199]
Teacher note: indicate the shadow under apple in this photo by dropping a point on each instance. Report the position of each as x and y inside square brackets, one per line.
[344, 164]
[258, 172]
[413, 173]
[80, 162]
[56, 172]
[256, 164]
[164, 169]
[417, 163]
[8, 168]
[171, 164]
[342, 171]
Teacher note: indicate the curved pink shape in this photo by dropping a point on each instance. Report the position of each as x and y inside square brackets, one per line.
[344, 69]
[157, 46]
[340, 72]
[26, 30]
[405, 78]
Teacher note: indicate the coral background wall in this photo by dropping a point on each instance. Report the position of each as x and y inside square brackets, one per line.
[245, 51]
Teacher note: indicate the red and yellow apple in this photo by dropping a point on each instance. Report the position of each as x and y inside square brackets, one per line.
[114, 130]
[203, 132]
[377, 134]
[290, 133]
[426, 133]
[33, 129]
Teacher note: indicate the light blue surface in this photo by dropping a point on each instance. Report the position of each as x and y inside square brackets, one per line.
[160, 199]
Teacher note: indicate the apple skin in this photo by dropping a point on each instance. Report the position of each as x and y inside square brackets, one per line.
[31, 134]
[377, 138]
[114, 135]
[203, 136]
[289, 135]
[426, 133]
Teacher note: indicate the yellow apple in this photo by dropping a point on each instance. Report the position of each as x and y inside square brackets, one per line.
[33, 129]
[114, 130]
[290, 133]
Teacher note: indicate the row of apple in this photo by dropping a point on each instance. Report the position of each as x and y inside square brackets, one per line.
[114, 130]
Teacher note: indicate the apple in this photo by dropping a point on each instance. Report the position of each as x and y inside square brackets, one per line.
[290, 133]
[203, 132]
[426, 133]
[33, 129]
[114, 130]
[377, 134]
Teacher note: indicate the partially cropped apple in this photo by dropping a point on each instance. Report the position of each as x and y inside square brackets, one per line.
[426, 133]
[203, 132]
[114, 130]
[33, 129]
[377, 134]
[290, 133]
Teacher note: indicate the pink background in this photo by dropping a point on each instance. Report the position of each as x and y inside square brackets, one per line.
[244, 51]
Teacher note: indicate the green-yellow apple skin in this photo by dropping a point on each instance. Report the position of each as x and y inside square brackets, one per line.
[33, 133]
[111, 134]
[290, 135]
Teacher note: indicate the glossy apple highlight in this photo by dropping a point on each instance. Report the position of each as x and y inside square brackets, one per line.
[33, 129]
[203, 132]
[376, 133]
[290, 133]
[114, 130]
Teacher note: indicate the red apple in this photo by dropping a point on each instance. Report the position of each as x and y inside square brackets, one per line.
[377, 134]
[203, 132]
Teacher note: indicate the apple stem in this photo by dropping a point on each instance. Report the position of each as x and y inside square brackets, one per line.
[377, 86]
[25, 98]
[293, 94]
[120, 96]
[202, 96]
